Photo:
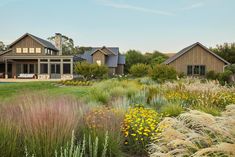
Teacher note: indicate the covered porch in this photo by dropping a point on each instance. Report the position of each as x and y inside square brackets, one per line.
[37, 67]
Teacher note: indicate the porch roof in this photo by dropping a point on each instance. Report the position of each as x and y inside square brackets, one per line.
[37, 57]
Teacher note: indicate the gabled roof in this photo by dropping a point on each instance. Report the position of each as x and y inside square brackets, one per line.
[185, 50]
[104, 50]
[113, 58]
[43, 42]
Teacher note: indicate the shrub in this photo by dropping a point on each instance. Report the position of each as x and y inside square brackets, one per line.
[162, 73]
[140, 127]
[212, 75]
[139, 70]
[225, 77]
[89, 71]
[172, 109]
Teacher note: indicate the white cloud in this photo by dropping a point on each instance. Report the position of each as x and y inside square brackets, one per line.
[135, 8]
[193, 6]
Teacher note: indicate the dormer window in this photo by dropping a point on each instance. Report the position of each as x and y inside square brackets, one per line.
[25, 50]
[31, 50]
[38, 50]
[18, 50]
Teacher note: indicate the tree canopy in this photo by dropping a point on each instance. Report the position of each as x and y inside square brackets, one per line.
[134, 57]
[226, 51]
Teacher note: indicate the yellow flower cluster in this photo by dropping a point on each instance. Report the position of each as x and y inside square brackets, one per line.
[141, 124]
[75, 83]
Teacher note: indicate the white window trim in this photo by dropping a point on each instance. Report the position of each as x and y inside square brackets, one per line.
[38, 50]
[25, 50]
[18, 50]
[31, 50]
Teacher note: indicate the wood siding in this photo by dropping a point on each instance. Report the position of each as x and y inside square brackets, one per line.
[27, 42]
[198, 56]
[120, 69]
[99, 56]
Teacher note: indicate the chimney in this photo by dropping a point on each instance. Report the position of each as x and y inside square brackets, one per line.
[58, 42]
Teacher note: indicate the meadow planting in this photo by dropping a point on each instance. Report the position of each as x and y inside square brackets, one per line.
[116, 118]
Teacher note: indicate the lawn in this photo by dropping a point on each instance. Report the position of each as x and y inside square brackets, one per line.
[117, 117]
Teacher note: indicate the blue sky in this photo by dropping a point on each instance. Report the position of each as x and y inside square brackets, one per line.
[146, 25]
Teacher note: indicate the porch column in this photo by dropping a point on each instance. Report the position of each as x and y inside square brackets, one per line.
[49, 67]
[61, 67]
[6, 72]
[71, 67]
[39, 67]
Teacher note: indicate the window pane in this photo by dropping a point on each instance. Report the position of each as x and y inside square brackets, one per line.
[25, 68]
[57, 68]
[66, 68]
[44, 68]
[196, 70]
[189, 70]
[202, 70]
[31, 68]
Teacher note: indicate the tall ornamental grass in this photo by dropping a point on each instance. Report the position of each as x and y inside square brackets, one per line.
[40, 123]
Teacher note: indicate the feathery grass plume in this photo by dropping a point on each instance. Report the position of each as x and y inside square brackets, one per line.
[196, 134]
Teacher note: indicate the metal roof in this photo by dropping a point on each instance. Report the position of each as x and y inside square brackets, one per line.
[41, 41]
[183, 51]
[113, 57]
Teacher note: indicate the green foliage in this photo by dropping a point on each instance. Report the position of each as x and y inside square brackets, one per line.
[89, 71]
[2, 46]
[75, 83]
[172, 109]
[68, 47]
[225, 77]
[226, 51]
[212, 75]
[133, 57]
[231, 68]
[139, 70]
[162, 73]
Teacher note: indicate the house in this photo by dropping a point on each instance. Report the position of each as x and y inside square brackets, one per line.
[32, 57]
[196, 60]
[109, 56]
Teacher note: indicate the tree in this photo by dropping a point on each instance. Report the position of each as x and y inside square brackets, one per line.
[68, 47]
[133, 57]
[139, 70]
[226, 51]
[2, 46]
[155, 58]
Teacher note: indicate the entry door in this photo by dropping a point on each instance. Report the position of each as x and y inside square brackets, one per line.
[55, 71]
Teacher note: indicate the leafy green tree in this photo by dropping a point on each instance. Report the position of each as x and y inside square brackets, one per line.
[133, 57]
[68, 47]
[2, 46]
[226, 51]
[155, 58]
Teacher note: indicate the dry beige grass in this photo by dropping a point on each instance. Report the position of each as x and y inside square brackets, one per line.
[197, 134]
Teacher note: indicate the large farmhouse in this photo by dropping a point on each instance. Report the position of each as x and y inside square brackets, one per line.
[32, 57]
[196, 60]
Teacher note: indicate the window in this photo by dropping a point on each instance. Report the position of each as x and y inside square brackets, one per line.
[25, 50]
[98, 62]
[31, 50]
[18, 50]
[31, 68]
[25, 68]
[38, 50]
[66, 69]
[189, 70]
[196, 70]
[44, 69]
[202, 70]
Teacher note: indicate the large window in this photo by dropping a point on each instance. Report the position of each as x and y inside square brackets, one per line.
[25, 50]
[43, 69]
[25, 68]
[31, 68]
[66, 69]
[31, 50]
[38, 50]
[196, 70]
[189, 70]
[18, 50]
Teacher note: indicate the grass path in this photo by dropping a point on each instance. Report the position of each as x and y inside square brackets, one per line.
[10, 90]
